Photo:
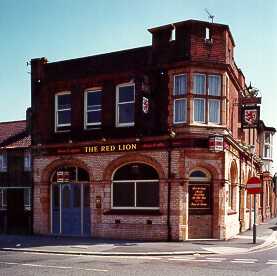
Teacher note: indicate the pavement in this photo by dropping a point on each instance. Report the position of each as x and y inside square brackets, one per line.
[242, 243]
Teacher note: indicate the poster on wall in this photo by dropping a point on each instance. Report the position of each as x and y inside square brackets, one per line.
[199, 196]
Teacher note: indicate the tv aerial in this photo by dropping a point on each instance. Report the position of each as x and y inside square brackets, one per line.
[210, 16]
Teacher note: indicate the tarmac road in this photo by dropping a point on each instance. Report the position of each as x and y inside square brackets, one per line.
[262, 263]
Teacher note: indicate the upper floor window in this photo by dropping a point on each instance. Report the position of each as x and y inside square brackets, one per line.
[3, 162]
[180, 100]
[93, 108]
[62, 111]
[268, 141]
[125, 105]
[27, 161]
[3, 199]
[206, 98]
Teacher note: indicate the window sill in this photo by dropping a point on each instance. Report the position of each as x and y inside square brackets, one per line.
[231, 212]
[134, 212]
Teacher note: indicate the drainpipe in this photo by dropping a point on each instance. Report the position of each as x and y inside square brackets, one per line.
[169, 237]
[168, 190]
[240, 191]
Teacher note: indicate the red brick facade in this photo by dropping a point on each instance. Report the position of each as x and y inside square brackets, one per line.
[178, 151]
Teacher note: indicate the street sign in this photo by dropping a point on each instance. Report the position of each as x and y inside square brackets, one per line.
[254, 185]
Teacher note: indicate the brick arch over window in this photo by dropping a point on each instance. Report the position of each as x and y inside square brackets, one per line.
[214, 172]
[132, 158]
[48, 171]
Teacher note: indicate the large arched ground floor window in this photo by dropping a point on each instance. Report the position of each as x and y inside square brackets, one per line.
[135, 186]
[70, 208]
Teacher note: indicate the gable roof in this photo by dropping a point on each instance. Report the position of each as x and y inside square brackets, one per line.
[14, 134]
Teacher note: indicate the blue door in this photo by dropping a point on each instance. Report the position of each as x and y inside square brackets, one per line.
[71, 216]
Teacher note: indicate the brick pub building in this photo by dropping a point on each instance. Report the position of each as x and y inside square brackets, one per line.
[145, 143]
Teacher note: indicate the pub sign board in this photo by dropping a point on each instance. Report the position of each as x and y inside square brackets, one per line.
[199, 196]
[250, 116]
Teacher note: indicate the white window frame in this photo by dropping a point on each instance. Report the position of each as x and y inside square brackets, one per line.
[135, 194]
[204, 100]
[57, 111]
[3, 162]
[205, 84]
[27, 161]
[219, 86]
[181, 97]
[174, 118]
[87, 91]
[118, 124]
[219, 108]
[268, 144]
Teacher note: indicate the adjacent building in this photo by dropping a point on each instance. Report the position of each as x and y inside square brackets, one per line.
[151, 143]
[15, 178]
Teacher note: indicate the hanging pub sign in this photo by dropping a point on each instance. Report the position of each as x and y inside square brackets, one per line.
[145, 105]
[216, 143]
[250, 116]
[199, 196]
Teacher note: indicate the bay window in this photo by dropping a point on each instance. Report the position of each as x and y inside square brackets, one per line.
[268, 145]
[180, 100]
[125, 105]
[206, 98]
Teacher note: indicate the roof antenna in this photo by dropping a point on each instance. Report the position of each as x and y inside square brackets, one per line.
[210, 16]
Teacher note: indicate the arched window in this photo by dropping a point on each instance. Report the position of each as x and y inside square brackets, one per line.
[199, 190]
[70, 174]
[135, 186]
[232, 186]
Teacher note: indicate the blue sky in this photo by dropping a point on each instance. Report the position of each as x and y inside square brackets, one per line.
[64, 29]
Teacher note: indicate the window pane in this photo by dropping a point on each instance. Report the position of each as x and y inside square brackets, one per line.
[66, 197]
[94, 117]
[214, 85]
[124, 194]
[77, 196]
[180, 110]
[56, 197]
[3, 162]
[64, 101]
[214, 111]
[135, 171]
[86, 196]
[267, 138]
[198, 174]
[266, 151]
[199, 84]
[94, 98]
[126, 113]
[180, 85]
[147, 194]
[64, 117]
[126, 94]
[199, 110]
